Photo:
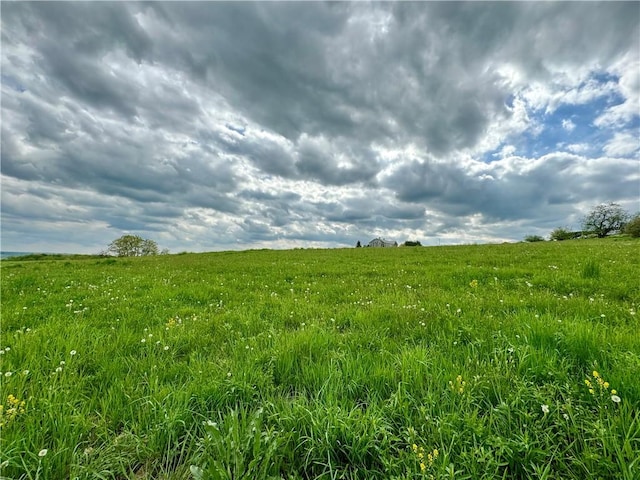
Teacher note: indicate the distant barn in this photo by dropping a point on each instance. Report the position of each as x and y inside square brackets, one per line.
[379, 242]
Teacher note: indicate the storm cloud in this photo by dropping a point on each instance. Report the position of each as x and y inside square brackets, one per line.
[209, 126]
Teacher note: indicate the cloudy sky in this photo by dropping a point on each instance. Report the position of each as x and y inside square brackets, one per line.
[215, 126]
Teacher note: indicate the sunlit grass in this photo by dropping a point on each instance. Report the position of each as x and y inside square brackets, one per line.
[355, 363]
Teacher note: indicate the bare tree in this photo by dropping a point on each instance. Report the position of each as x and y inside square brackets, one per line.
[604, 219]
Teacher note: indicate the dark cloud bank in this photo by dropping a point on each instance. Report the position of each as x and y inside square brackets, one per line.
[236, 125]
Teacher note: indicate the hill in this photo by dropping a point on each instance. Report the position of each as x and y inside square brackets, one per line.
[490, 361]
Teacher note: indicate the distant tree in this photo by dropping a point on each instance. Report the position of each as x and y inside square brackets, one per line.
[605, 219]
[561, 234]
[411, 243]
[633, 226]
[149, 247]
[533, 238]
[358, 245]
[132, 246]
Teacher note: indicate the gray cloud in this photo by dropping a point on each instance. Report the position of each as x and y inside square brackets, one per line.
[514, 188]
[223, 125]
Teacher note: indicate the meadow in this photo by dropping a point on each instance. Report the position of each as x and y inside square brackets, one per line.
[469, 362]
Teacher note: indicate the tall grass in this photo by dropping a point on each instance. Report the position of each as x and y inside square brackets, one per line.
[479, 362]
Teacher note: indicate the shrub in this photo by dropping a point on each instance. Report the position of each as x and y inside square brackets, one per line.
[410, 243]
[633, 227]
[533, 238]
[561, 234]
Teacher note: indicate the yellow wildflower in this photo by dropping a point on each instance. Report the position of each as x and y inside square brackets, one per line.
[14, 408]
[458, 386]
[603, 386]
[424, 461]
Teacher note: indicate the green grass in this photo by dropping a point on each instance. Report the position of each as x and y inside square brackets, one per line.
[353, 364]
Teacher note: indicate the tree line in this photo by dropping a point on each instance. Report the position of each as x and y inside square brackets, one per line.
[603, 220]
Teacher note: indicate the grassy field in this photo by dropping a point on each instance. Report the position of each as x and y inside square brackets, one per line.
[479, 362]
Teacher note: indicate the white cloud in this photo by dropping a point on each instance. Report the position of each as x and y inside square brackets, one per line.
[578, 148]
[623, 144]
[629, 89]
[568, 125]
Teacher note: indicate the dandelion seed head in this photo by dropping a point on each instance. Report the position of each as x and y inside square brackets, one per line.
[615, 398]
[43, 452]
